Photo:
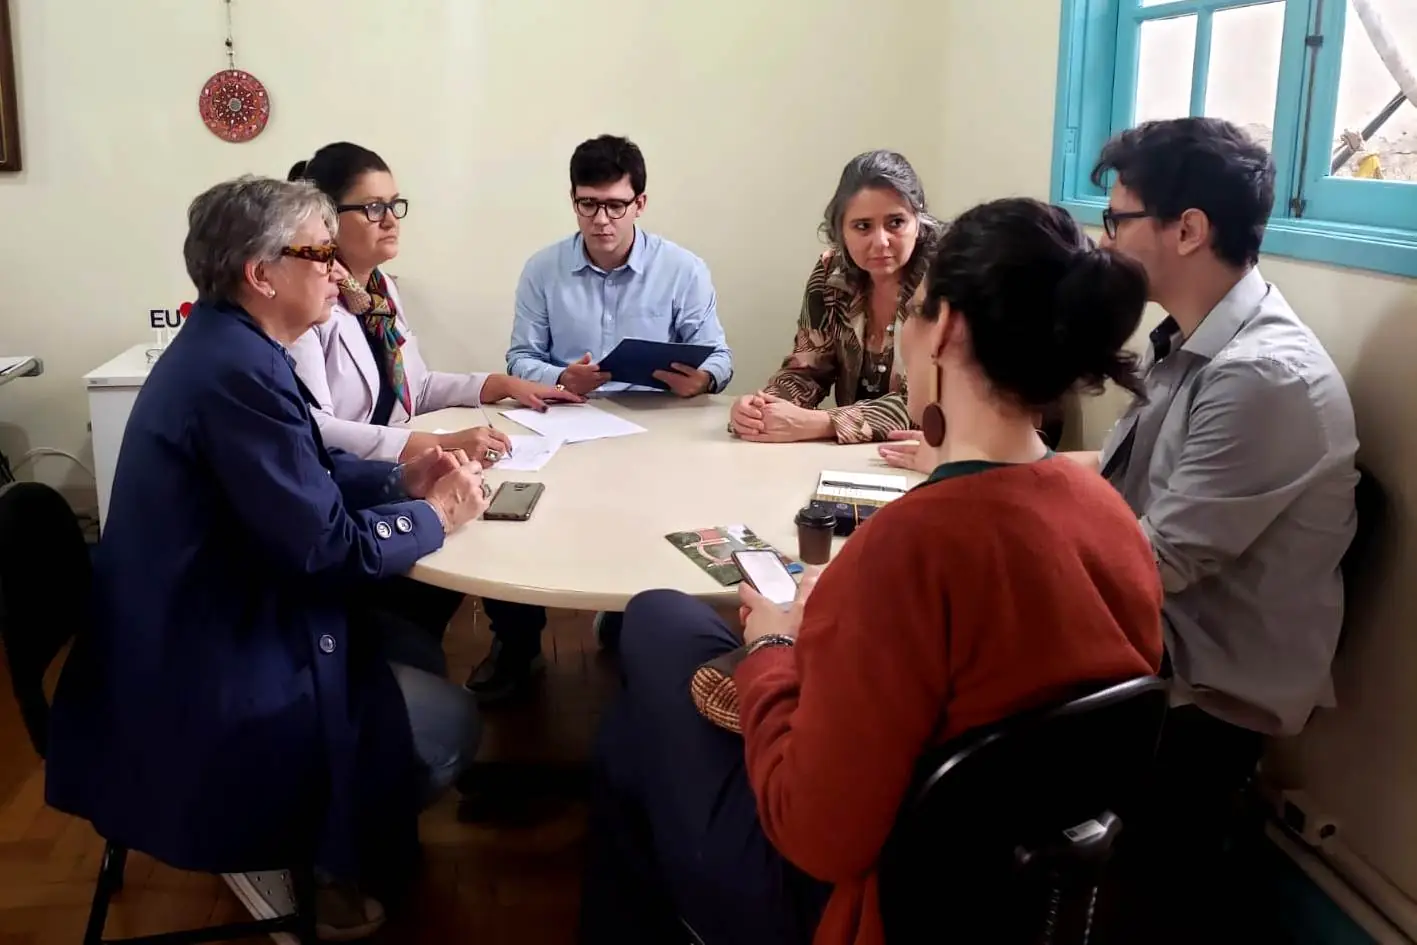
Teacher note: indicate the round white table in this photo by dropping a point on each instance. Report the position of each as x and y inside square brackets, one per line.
[597, 537]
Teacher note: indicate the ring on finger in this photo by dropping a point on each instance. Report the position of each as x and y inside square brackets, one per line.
[491, 455]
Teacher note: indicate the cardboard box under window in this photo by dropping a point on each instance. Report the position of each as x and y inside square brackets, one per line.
[854, 497]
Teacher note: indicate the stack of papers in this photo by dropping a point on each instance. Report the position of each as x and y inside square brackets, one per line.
[574, 423]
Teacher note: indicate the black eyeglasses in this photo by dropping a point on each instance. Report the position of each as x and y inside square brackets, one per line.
[588, 207]
[374, 210]
[1110, 219]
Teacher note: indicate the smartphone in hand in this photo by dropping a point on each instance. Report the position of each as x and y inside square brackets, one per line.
[767, 574]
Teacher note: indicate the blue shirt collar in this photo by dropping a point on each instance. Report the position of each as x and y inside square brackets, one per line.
[580, 260]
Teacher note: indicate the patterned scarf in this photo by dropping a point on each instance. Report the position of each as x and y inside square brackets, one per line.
[376, 309]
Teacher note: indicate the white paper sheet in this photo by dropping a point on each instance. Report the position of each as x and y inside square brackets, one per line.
[529, 453]
[574, 423]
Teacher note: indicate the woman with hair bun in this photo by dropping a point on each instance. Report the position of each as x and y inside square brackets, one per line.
[1034, 564]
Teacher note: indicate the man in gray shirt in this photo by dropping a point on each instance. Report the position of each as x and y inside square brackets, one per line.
[1240, 466]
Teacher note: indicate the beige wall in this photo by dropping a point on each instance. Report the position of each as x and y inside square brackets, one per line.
[1359, 761]
[746, 112]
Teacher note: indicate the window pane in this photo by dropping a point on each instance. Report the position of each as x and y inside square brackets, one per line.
[1166, 53]
[1243, 81]
[1366, 88]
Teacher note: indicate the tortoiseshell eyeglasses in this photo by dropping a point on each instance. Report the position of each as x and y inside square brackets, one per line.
[324, 253]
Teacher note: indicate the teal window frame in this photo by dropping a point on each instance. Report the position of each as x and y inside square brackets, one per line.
[1361, 224]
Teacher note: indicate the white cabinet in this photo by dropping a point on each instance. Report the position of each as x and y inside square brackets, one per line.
[112, 388]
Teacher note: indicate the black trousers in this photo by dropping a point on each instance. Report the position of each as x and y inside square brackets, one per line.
[674, 832]
[1183, 882]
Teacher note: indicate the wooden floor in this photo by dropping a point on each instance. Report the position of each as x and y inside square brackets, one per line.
[489, 885]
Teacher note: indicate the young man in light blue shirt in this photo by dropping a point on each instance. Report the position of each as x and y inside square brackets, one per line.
[580, 297]
[577, 299]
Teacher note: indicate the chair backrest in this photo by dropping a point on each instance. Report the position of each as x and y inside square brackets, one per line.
[1371, 504]
[1006, 831]
[45, 580]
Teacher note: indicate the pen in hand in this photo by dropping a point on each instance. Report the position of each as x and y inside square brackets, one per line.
[488, 421]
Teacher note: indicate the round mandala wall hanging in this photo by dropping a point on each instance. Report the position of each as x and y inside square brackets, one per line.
[235, 105]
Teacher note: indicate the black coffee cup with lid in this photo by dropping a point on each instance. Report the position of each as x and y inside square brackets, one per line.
[815, 527]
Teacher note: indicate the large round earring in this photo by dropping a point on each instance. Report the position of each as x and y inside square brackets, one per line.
[932, 425]
[932, 420]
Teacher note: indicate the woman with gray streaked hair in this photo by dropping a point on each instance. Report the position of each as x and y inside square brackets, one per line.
[235, 705]
[880, 235]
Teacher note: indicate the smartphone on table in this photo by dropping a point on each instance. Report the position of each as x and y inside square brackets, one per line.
[514, 501]
[768, 576]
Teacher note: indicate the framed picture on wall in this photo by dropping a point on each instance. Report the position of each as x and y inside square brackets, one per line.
[9, 108]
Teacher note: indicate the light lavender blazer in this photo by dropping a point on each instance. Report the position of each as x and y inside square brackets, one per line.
[333, 360]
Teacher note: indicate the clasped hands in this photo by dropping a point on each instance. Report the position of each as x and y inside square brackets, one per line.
[767, 418]
[448, 481]
[584, 376]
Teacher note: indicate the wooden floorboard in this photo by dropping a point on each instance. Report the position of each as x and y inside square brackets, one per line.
[485, 884]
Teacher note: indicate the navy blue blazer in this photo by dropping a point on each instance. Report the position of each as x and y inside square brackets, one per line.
[220, 716]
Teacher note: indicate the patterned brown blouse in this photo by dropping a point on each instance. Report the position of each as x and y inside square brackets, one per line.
[830, 351]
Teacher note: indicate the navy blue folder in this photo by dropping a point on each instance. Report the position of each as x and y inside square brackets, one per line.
[635, 360]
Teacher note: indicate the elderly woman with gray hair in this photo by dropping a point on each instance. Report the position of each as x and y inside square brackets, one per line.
[880, 236]
[237, 704]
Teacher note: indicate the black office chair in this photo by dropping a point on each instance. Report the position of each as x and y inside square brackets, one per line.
[1006, 836]
[44, 549]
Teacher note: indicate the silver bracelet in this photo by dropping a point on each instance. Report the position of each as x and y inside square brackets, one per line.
[771, 639]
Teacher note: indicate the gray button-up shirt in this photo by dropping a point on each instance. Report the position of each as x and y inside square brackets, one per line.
[1241, 468]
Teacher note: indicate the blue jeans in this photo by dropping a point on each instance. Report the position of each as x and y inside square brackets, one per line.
[408, 623]
[674, 829]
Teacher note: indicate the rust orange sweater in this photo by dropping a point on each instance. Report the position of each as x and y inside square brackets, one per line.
[1008, 585]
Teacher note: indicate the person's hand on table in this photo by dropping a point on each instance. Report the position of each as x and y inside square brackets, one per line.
[685, 381]
[482, 445]
[527, 393]
[746, 414]
[420, 473]
[906, 451]
[459, 496]
[760, 617]
[767, 418]
[582, 377]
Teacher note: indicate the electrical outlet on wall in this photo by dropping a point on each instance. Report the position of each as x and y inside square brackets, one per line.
[1301, 816]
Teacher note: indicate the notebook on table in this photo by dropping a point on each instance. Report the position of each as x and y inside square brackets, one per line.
[853, 497]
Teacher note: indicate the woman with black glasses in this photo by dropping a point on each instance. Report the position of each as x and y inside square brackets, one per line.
[363, 365]
[364, 370]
